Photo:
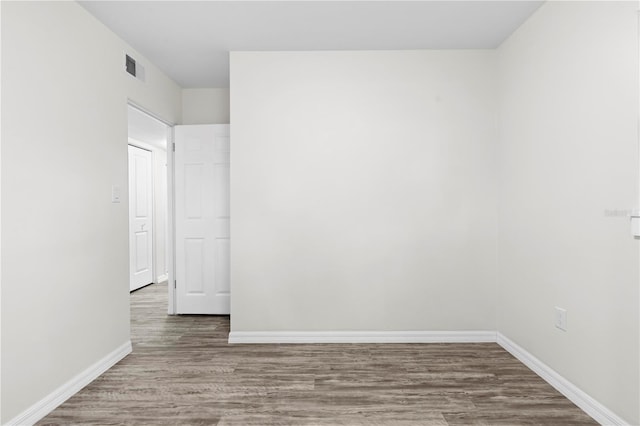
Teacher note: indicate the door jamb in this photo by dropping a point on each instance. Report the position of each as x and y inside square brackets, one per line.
[170, 247]
[171, 243]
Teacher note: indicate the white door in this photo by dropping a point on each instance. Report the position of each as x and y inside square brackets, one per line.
[140, 218]
[202, 219]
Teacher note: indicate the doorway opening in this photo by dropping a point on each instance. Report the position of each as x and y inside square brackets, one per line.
[149, 213]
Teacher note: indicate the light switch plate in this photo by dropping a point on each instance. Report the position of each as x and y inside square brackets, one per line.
[561, 319]
[115, 194]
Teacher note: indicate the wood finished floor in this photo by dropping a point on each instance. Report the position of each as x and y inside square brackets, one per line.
[183, 372]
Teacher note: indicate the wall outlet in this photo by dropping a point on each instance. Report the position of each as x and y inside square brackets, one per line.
[561, 319]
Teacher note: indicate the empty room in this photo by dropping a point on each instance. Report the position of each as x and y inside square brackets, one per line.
[320, 212]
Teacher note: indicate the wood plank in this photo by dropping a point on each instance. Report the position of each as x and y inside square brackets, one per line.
[182, 371]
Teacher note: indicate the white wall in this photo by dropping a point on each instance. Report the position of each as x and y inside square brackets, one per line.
[362, 191]
[0, 216]
[569, 157]
[64, 262]
[161, 211]
[205, 106]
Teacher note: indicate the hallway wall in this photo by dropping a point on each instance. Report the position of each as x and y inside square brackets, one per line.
[65, 298]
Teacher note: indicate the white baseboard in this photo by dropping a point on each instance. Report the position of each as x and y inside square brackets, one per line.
[362, 336]
[47, 404]
[162, 278]
[593, 408]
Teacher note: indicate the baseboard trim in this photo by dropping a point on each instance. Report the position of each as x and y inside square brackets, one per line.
[47, 404]
[162, 278]
[236, 337]
[589, 405]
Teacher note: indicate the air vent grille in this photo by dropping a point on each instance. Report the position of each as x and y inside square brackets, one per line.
[130, 65]
[133, 67]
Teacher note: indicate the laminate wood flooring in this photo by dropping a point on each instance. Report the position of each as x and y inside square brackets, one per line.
[183, 372]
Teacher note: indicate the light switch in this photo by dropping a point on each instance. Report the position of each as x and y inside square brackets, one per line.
[115, 194]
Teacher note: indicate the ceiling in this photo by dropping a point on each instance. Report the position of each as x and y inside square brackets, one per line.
[190, 40]
[144, 128]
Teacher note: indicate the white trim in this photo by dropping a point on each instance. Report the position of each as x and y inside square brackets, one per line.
[170, 247]
[161, 278]
[585, 402]
[589, 405]
[362, 336]
[142, 145]
[140, 108]
[50, 402]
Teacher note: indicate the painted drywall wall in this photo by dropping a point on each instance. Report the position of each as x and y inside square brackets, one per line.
[0, 213]
[362, 191]
[205, 106]
[568, 178]
[65, 257]
[161, 226]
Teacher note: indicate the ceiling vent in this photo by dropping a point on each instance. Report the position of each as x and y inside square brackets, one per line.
[133, 67]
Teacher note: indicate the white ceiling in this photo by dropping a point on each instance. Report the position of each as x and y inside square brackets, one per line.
[190, 40]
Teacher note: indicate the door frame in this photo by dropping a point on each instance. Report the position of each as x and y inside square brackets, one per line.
[170, 244]
[171, 225]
